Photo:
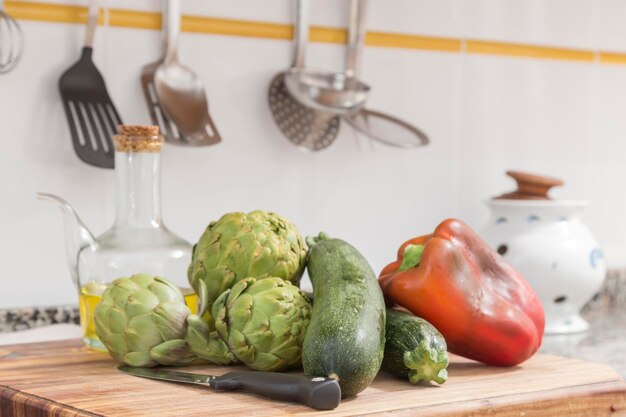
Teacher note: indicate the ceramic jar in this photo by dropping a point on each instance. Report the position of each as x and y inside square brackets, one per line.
[552, 248]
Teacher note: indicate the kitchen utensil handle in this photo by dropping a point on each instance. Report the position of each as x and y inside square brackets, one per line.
[164, 25]
[92, 22]
[356, 37]
[319, 393]
[301, 33]
[172, 29]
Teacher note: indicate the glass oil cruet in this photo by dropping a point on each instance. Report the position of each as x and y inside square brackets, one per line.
[138, 241]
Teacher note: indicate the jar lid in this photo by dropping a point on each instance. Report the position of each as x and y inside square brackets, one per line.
[138, 139]
[530, 186]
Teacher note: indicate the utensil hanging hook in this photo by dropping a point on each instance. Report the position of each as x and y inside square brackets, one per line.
[11, 41]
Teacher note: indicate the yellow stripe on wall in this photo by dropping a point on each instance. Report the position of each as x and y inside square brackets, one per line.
[47, 12]
[529, 51]
[133, 19]
[394, 40]
[235, 27]
[612, 58]
[231, 27]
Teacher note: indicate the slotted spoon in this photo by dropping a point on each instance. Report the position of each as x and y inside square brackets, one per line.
[310, 129]
[168, 129]
[90, 112]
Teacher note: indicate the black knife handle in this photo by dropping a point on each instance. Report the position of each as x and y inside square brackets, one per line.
[317, 392]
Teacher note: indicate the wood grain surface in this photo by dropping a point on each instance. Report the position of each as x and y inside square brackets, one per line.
[63, 379]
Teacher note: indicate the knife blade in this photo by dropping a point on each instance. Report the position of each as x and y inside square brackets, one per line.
[316, 392]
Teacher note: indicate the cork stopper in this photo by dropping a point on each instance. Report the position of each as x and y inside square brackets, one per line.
[138, 139]
[129, 130]
[530, 186]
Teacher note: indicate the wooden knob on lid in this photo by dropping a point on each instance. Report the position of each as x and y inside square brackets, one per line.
[530, 186]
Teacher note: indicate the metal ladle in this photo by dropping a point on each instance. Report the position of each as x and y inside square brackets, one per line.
[180, 91]
[334, 92]
[10, 41]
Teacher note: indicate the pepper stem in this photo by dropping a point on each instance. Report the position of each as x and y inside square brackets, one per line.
[412, 257]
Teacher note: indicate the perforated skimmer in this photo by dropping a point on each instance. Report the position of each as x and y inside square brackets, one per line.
[310, 129]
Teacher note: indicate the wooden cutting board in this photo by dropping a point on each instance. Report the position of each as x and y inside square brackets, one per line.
[64, 379]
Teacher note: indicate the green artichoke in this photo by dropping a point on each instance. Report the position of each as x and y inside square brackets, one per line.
[237, 246]
[142, 321]
[263, 322]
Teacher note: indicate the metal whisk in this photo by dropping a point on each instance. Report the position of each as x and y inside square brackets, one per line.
[10, 41]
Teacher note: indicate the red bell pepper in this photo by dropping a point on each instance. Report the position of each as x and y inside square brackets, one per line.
[483, 307]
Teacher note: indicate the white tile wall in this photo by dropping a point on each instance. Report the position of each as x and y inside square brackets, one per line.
[611, 30]
[567, 23]
[607, 159]
[484, 115]
[525, 115]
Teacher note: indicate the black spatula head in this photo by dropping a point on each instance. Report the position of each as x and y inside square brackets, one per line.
[91, 114]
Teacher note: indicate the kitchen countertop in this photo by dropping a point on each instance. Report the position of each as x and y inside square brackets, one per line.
[604, 342]
[60, 331]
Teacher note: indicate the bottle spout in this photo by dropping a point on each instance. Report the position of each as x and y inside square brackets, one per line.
[77, 236]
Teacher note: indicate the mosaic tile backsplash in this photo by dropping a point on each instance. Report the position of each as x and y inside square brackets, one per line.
[28, 318]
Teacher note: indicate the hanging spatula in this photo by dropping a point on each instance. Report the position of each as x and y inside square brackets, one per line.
[90, 112]
[180, 91]
[168, 129]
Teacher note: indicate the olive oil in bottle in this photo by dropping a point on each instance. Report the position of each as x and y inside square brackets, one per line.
[88, 299]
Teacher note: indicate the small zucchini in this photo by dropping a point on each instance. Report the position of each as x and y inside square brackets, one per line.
[346, 336]
[414, 349]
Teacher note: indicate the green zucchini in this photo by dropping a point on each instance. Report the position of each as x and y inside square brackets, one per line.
[345, 339]
[414, 349]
